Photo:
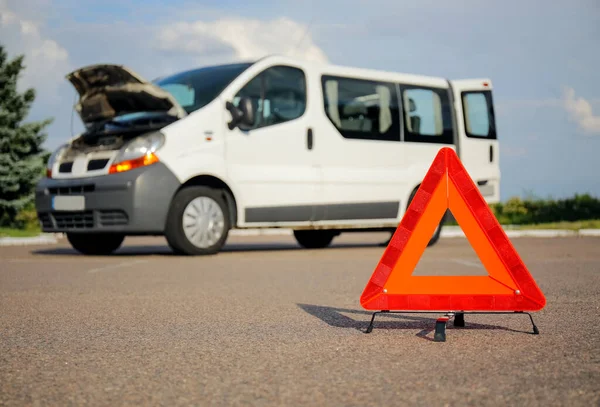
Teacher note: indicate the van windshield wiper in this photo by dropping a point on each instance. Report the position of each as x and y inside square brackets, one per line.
[101, 126]
[120, 124]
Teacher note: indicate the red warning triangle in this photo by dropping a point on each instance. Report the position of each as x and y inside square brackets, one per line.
[508, 286]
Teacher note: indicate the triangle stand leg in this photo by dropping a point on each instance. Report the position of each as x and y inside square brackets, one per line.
[370, 327]
[536, 331]
[440, 329]
[459, 320]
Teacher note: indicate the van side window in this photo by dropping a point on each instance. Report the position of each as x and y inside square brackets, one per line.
[362, 109]
[478, 114]
[427, 115]
[278, 95]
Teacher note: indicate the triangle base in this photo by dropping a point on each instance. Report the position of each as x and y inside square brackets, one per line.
[451, 303]
[459, 320]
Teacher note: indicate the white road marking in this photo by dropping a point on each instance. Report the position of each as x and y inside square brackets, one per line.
[118, 265]
[47, 260]
[467, 263]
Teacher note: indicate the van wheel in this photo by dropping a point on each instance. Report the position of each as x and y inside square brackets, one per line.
[438, 229]
[95, 243]
[198, 221]
[314, 239]
[436, 233]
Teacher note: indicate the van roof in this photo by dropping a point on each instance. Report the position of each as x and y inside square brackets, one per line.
[335, 69]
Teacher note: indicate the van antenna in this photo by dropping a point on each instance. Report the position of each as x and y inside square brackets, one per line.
[73, 111]
[306, 31]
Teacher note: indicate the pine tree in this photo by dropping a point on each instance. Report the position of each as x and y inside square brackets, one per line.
[22, 157]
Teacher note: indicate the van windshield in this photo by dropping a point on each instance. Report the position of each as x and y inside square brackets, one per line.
[196, 88]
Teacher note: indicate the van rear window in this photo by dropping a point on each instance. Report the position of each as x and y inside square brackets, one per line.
[478, 114]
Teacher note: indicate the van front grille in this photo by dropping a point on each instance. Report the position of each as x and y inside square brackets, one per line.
[77, 220]
[45, 220]
[74, 220]
[113, 218]
[72, 190]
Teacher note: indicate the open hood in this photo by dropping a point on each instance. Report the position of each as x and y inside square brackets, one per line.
[107, 91]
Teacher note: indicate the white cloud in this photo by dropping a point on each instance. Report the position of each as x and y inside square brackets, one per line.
[46, 61]
[240, 39]
[580, 111]
[52, 52]
[508, 106]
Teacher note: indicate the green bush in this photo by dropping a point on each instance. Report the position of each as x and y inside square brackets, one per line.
[27, 219]
[531, 211]
[513, 211]
[22, 155]
[517, 211]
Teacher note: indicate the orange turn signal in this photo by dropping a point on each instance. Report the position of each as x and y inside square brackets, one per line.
[127, 165]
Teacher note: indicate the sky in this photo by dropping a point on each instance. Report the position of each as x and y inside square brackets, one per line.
[542, 57]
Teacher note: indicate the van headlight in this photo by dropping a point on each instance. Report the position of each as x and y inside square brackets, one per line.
[54, 158]
[138, 152]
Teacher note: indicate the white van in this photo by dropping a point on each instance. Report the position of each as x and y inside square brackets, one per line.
[276, 143]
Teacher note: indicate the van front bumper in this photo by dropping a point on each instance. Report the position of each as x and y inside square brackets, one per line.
[132, 202]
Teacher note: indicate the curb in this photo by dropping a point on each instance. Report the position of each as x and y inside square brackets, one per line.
[456, 231]
[589, 232]
[451, 232]
[448, 232]
[47, 238]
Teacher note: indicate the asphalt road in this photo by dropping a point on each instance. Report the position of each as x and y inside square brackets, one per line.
[266, 323]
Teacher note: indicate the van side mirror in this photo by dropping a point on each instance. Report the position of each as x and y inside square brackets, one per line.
[243, 114]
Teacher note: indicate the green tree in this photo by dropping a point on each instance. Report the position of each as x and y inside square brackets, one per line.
[22, 157]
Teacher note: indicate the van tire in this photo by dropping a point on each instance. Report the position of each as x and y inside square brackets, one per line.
[314, 239]
[174, 230]
[436, 235]
[95, 243]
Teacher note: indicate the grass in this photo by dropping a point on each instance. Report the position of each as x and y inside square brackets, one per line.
[8, 232]
[577, 225]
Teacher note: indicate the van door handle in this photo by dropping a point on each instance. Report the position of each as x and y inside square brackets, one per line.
[309, 139]
[491, 153]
